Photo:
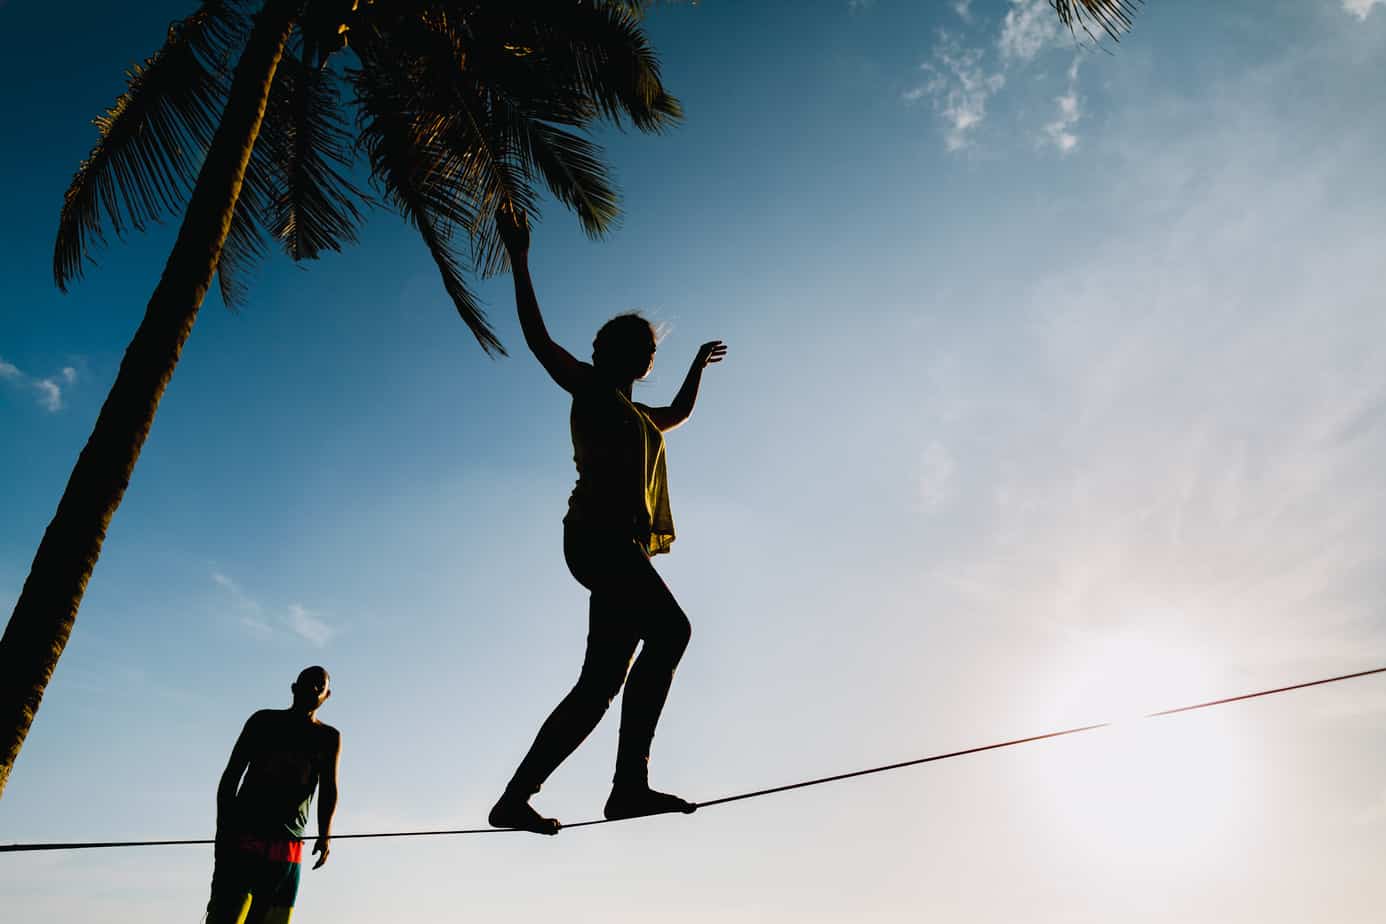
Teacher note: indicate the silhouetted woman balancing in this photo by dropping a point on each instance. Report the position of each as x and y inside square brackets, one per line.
[618, 517]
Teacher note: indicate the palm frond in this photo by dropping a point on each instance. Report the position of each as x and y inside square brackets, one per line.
[312, 205]
[294, 191]
[574, 171]
[1113, 17]
[404, 149]
[483, 156]
[571, 165]
[153, 139]
[245, 244]
[466, 106]
[598, 50]
[478, 153]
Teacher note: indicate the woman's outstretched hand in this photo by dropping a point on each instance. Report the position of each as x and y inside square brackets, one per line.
[714, 351]
[513, 227]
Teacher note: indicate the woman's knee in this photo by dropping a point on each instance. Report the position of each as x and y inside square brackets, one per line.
[600, 685]
[674, 633]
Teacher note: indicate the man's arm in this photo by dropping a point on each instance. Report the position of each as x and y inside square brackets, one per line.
[327, 797]
[667, 418]
[235, 768]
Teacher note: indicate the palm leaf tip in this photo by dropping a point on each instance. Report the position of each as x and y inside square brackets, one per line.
[1112, 17]
[151, 140]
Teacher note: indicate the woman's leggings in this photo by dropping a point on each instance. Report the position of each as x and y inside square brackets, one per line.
[630, 604]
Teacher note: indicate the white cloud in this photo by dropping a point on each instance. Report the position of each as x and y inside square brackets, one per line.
[1060, 131]
[50, 396]
[1186, 438]
[308, 626]
[962, 80]
[47, 391]
[959, 87]
[856, 6]
[1029, 26]
[1362, 8]
[297, 619]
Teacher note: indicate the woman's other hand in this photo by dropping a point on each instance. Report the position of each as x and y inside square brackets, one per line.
[714, 351]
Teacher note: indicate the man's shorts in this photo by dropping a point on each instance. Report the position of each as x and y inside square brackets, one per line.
[255, 881]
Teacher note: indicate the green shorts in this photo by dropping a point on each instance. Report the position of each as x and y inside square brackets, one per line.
[255, 881]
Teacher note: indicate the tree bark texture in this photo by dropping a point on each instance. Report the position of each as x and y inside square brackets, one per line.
[44, 615]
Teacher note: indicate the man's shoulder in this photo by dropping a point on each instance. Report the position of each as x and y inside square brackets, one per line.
[328, 737]
[327, 743]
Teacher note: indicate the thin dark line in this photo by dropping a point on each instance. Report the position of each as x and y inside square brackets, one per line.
[17, 848]
[904, 763]
[1237, 699]
[1032, 738]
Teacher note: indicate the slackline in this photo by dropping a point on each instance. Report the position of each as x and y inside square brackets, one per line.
[18, 848]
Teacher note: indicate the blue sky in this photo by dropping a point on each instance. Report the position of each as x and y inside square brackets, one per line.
[1055, 393]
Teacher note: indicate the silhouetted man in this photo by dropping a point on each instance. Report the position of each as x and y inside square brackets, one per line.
[281, 756]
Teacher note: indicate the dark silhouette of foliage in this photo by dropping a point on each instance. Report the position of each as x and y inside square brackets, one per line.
[1111, 17]
[240, 123]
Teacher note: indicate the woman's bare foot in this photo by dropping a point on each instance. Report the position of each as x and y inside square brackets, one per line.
[632, 802]
[516, 812]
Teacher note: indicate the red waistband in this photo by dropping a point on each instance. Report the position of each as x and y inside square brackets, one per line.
[279, 851]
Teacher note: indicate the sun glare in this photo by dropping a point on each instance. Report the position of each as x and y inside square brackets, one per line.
[1168, 791]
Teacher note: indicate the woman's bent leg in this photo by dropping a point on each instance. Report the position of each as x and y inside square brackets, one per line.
[665, 631]
[610, 643]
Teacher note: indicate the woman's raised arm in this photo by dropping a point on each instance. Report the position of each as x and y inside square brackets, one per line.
[562, 366]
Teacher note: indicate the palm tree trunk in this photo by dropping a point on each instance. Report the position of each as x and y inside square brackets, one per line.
[44, 615]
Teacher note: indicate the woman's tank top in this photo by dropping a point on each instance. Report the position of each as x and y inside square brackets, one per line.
[622, 484]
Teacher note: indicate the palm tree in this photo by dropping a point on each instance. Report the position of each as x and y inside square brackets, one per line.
[463, 107]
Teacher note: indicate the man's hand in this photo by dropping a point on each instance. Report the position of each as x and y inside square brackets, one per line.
[513, 226]
[321, 847]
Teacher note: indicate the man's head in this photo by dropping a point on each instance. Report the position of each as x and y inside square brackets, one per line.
[311, 688]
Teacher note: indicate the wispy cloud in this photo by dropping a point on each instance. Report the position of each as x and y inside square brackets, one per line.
[251, 617]
[856, 6]
[1060, 132]
[295, 618]
[47, 390]
[958, 86]
[308, 626]
[965, 74]
[1362, 8]
[1028, 28]
[1187, 438]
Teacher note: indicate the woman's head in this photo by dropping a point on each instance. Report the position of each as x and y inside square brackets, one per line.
[625, 347]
